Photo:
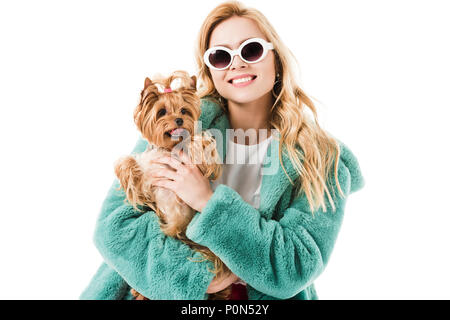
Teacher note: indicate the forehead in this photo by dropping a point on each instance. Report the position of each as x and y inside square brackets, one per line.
[172, 102]
[233, 31]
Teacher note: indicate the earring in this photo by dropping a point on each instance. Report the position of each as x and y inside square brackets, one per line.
[222, 101]
[275, 84]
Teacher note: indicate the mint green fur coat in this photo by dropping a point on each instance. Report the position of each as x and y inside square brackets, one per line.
[278, 250]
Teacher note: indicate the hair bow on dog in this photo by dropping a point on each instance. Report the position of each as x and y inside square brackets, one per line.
[174, 85]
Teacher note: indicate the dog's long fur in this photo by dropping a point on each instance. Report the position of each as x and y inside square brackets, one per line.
[135, 171]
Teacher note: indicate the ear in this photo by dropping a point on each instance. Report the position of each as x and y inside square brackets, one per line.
[147, 83]
[194, 82]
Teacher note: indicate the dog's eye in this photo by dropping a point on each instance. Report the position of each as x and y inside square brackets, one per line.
[183, 111]
[161, 112]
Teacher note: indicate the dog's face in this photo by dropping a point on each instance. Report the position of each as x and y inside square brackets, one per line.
[167, 118]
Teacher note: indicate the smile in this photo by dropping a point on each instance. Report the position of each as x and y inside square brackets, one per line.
[242, 82]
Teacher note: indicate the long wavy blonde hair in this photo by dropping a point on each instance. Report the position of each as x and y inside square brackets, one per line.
[319, 150]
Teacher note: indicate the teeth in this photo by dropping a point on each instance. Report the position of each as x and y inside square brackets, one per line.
[242, 80]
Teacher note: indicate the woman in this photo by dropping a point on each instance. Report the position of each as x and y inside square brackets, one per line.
[275, 234]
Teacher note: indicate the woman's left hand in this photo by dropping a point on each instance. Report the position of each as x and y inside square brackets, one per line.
[185, 179]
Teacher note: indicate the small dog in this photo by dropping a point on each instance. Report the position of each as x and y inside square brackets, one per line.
[166, 117]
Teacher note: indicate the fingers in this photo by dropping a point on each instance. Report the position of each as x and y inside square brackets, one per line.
[168, 184]
[165, 173]
[177, 165]
[173, 163]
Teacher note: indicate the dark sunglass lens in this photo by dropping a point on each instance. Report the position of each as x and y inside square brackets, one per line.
[219, 58]
[252, 51]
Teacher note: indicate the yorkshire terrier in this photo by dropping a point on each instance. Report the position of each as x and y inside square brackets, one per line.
[166, 116]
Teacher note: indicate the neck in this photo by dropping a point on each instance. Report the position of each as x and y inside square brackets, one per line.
[251, 115]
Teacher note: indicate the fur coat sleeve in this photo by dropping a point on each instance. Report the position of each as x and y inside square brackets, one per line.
[139, 255]
[280, 258]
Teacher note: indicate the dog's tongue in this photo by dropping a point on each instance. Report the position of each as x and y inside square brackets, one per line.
[176, 132]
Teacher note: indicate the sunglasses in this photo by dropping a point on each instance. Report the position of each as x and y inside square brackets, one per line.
[250, 51]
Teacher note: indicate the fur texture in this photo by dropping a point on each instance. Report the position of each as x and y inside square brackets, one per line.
[278, 250]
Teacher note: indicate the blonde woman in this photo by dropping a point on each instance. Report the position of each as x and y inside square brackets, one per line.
[274, 221]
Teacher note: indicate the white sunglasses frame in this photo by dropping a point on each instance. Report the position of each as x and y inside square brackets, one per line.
[266, 47]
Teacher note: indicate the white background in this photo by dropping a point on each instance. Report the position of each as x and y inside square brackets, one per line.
[70, 76]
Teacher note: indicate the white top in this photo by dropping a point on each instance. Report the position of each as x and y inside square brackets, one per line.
[242, 170]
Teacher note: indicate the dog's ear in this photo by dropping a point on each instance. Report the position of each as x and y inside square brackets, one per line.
[147, 83]
[194, 82]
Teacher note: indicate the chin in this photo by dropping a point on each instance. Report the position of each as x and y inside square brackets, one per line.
[244, 97]
[170, 143]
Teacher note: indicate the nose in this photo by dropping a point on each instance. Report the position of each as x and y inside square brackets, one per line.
[179, 121]
[237, 63]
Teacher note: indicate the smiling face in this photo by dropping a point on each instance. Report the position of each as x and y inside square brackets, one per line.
[231, 33]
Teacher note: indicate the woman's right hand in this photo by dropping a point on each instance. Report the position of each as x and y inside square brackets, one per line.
[218, 284]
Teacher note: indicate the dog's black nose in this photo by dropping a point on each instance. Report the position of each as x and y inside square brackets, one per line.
[179, 121]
